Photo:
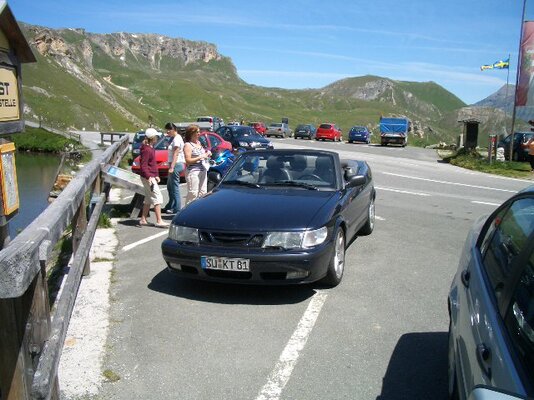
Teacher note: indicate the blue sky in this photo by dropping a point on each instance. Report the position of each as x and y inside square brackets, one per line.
[309, 44]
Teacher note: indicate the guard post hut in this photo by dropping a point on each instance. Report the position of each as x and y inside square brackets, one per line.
[470, 132]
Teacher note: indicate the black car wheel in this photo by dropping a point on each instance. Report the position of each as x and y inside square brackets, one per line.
[367, 229]
[337, 263]
[451, 370]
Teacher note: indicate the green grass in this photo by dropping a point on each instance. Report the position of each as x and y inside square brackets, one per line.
[40, 140]
[104, 221]
[476, 162]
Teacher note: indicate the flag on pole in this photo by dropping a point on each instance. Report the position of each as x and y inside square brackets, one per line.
[501, 64]
[525, 85]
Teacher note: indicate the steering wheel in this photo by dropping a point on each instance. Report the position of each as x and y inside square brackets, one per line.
[312, 176]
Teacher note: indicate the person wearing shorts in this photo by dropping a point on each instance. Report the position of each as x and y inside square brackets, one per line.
[150, 179]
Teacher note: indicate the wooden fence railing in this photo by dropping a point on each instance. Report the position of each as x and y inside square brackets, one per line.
[31, 339]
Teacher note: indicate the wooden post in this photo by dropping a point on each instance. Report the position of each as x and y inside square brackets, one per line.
[25, 329]
[79, 226]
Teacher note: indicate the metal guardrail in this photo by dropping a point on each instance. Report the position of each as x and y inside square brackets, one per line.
[31, 339]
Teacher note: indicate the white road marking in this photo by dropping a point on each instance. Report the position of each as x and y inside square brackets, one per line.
[486, 203]
[289, 357]
[448, 183]
[143, 241]
[402, 191]
[379, 218]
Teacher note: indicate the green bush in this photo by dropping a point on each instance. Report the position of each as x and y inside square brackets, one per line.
[473, 160]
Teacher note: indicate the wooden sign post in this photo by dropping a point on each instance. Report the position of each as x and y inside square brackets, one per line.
[14, 50]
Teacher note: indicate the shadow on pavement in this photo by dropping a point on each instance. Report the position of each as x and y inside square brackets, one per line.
[223, 293]
[418, 368]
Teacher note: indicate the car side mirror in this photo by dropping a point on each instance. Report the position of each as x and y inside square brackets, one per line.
[357, 180]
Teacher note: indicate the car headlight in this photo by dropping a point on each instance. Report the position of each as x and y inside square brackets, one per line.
[136, 151]
[245, 144]
[296, 240]
[164, 164]
[135, 164]
[183, 234]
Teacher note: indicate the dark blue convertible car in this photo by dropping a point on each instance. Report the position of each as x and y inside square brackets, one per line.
[276, 217]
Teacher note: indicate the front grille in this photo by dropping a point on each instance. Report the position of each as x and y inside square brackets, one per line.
[231, 239]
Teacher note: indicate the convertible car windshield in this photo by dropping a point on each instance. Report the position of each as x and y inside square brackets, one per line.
[307, 171]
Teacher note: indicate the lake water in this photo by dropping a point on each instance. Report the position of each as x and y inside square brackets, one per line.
[36, 174]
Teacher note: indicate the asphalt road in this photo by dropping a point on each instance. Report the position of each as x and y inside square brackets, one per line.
[381, 334]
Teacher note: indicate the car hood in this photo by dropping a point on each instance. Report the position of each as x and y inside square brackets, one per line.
[249, 139]
[259, 209]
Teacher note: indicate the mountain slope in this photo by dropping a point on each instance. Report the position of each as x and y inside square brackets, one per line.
[121, 81]
[502, 99]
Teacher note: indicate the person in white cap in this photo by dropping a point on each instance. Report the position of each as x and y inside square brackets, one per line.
[150, 178]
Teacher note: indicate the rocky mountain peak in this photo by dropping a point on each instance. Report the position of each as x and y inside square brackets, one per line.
[150, 48]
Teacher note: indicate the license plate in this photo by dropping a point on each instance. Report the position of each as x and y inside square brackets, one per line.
[224, 263]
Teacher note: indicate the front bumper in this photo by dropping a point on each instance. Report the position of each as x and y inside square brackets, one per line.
[267, 267]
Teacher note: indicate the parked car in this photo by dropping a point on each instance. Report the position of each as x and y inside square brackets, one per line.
[491, 303]
[305, 131]
[137, 141]
[328, 131]
[162, 156]
[209, 140]
[214, 142]
[215, 122]
[279, 130]
[520, 153]
[359, 134]
[244, 137]
[276, 217]
[259, 127]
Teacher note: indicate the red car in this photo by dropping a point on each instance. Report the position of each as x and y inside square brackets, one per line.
[209, 140]
[328, 131]
[259, 127]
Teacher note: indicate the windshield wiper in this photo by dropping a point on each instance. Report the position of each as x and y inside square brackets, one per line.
[293, 183]
[243, 183]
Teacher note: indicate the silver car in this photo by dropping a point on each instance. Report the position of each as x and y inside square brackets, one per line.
[278, 130]
[491, 303]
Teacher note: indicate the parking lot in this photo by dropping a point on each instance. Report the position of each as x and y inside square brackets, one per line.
[382, 333]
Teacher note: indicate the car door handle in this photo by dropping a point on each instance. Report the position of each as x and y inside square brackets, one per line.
[466, 275]
[483, 358]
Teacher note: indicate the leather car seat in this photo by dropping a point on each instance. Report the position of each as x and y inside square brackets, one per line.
[275, 171]
[324, 168]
